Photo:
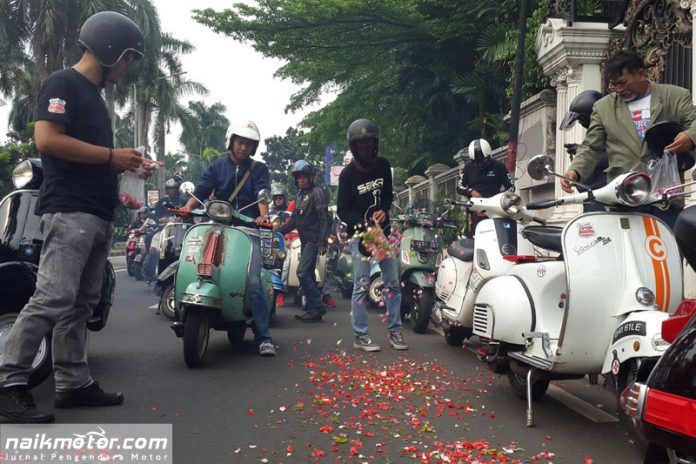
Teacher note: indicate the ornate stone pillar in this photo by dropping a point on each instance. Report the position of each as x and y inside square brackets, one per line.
[571, 57]
[691, 6]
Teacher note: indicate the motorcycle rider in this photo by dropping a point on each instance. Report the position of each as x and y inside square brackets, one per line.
[76, 203]
[312, 221]
[172, 200]
[365, 195]
[580, 110]
[481, 177]
[280, 199]
[634, 103]
[223, 177]
[140, 218]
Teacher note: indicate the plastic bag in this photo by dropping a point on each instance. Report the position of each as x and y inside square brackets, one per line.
[664, 174]
[131, 191]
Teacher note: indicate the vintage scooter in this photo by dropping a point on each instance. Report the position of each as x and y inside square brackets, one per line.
[598, 307]
[419, 256]
[293, 288]
[497, 246]
[169, 249]
[20, 248]
[211, 278]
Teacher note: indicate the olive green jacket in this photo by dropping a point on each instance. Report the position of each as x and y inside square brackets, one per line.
[611, 127]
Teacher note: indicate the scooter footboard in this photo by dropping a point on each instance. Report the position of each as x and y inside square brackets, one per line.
[638, 336]
[505, 295]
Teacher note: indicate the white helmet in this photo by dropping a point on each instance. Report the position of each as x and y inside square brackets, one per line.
[479, 150]
[347, 158]
[246, 129]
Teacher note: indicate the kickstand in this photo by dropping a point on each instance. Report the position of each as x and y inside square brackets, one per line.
[530, 407]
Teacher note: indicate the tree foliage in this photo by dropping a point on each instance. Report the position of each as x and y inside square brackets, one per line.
[431, 73]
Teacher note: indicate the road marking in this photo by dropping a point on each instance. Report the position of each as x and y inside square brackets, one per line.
[154, 306]
[581, 407]
[119, 270]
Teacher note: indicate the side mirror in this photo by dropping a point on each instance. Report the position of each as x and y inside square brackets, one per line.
[540, 167]
[186, 188]
[264, 196]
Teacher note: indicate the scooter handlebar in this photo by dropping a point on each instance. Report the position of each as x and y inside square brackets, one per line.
[542, 204]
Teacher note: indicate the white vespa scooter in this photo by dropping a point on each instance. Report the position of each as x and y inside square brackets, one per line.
[497, 245]
[596, 309]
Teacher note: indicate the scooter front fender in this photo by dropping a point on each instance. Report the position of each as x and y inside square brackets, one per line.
[636, 337]
[422, 278]
[204, 294]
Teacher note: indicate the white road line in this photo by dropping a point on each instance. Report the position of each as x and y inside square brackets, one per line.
[119, 270]
[154, 306]
[581, 407]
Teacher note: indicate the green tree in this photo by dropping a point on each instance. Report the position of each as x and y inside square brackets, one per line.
[10, 154]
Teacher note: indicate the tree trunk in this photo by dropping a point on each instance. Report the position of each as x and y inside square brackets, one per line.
[160, 131]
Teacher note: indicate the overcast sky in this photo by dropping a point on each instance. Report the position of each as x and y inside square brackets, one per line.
[234, 73]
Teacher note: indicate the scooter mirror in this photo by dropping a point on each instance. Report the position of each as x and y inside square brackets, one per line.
[540, 167]
[187, 188]
[264, 196]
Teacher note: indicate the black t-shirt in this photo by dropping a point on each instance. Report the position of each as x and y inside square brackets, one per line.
[69, 97]
[166, 203]
[361, 193]
[488, 180]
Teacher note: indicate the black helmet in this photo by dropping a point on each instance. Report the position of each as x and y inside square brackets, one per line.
[109, 36]
[661, 134]
[363, 129]
[580, 109]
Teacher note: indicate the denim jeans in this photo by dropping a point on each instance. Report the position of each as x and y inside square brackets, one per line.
[361, 285]
[306, 275]
[256, 298]
[68, 285]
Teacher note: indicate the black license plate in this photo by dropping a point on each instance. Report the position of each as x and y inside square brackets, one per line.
[425, 246]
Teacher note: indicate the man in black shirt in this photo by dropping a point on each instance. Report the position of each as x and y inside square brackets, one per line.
[365, 196]
[172, 200]
[481, 177]
[76, 204]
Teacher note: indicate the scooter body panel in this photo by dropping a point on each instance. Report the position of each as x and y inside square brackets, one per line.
[293, 254]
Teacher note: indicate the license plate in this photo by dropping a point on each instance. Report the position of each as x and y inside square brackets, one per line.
[424, 246]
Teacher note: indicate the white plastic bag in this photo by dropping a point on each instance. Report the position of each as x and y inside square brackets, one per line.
[131, 191]
[664, 174]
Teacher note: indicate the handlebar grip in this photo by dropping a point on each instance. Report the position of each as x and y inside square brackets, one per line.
[266, 225]
[542, 204]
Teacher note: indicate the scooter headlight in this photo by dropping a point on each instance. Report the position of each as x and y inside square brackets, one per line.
[658, 343]
[219, 211]
[645, 296]
[511, 203]
[635, 189]
[280, 254]
[26, 173]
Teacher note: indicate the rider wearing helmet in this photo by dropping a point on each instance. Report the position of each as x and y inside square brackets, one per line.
[76, 203]
[365, 196]
[280, 198]
[238, 179]
[312, 220]
[482, 176]
[172, 200]
[580, 110]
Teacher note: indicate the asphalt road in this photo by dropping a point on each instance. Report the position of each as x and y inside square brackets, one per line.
[321, 401]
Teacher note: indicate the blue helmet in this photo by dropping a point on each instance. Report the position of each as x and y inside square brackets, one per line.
[303, 167]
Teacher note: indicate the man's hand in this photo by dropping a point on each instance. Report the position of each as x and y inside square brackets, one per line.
[475, 194]
[379, 216]
[565, 185]
[682, 143]
[322, 250]
[126, 159]
[260, 220]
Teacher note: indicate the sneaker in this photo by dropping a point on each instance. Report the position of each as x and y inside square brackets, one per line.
[267, 349]
[396, 340]
[310, 316]
[329, 301]
[363, 342]
[280, 300]
[90, 396]
[17, 404]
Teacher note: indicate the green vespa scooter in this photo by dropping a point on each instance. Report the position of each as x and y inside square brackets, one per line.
[211, 278]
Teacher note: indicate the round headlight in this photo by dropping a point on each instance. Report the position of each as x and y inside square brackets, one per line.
[645, 296]
[511, 203]
[281, 254]
[22, 174]
[219, 211]
[635, 189]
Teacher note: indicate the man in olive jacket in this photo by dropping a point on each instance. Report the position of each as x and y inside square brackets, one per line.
[620, 119]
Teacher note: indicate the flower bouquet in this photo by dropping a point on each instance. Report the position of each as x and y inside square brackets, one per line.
[374, 243]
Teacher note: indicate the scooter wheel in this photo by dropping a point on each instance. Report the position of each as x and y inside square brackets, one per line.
[422, 309]
[455, 336]
[196, 336]
[235, 334]
[42, 366]
[167, 305]
[138, 270]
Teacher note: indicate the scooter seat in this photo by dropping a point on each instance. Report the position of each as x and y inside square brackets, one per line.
[462, 249]
[546, 237]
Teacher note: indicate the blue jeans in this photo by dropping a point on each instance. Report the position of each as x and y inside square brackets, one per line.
[256, 299]
[361, 285]
[306, 275]
[68, 285]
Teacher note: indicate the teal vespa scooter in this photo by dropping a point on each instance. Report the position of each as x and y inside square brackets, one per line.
[211, 278]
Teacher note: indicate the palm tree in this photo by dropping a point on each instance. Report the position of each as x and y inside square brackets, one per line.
[203, 134]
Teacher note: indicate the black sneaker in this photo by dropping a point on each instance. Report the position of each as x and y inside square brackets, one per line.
[90, 396]
[17, 404]
[309, 316]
